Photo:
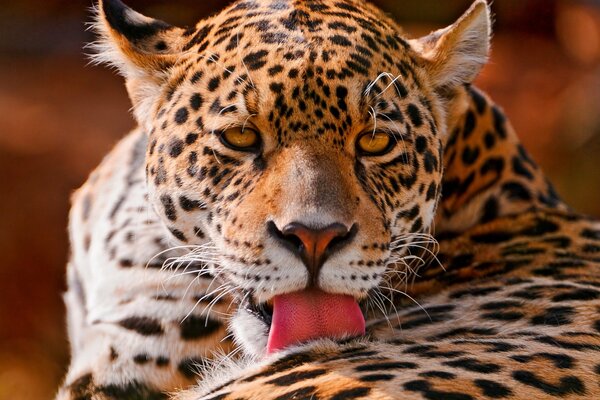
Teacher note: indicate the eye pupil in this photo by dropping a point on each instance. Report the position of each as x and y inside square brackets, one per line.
[376, 143]
[240, 139]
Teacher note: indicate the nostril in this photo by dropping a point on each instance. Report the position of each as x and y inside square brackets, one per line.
[290, 240]
[294, 240]
[343, 239]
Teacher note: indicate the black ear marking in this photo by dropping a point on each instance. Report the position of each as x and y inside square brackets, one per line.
[129, 23]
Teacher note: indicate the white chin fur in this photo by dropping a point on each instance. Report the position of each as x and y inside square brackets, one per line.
[250, 333]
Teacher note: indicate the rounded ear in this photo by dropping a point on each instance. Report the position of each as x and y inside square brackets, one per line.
[454, 55]
[142, 49]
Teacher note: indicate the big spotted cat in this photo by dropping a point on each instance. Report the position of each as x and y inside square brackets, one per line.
[269, 229]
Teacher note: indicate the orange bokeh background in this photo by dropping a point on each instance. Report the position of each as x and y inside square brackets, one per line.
[59, 116]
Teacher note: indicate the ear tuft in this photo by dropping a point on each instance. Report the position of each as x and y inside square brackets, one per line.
[130, 23]
[454, 55]
[142, 49]
[131, 42]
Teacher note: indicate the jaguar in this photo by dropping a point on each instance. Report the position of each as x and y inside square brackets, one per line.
[314, 205]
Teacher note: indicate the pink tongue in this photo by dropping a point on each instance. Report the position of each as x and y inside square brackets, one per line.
[312, 314]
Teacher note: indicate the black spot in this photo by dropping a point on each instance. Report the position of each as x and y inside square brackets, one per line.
[520, 169]
[430, 161]
[421, 144]
[559, 241]
[256, 60]
[178, 234]
[479, 100]
[196, 77]
[470, 155]
[541, 227]
[276, 87]
[82, 388]
[194, 327]
[307, 392]
[133, 390]
[578, 294]
[189, 204]
[417, 225]
[113, 354]
[143, 325]
[296, 376]
[494, 390]
[565, 344]
[499, 122]
[492, 237]
[199, 37]
[341, 92]
[275, 70]
[568, 384]
[181, 115]
[162, 361]
[476, 291]
[196, 101]
[376, 377]
[490, 210]
[414, 115]
[489, 140]
[437, 374]
[472, 364]
[591, 234]
[340, 40]
[126, 263]
[175, 147]
[191, 138]
[554, 316]
[425, 320]
[561, 361]
[190, 367]
[283, 364]
[385, 366]
[428, 392]
[432, 191]
[591, 248]
[429, 351]
[516, 191]
[349, 394]
[167, 203]
[334, 111]
[503, 315]
[199, 233]
[141, 358]
[492, 164]
[470, 123]
[213, 84]
[464, 332]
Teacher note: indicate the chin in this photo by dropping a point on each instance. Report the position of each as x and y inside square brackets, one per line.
[251, 332]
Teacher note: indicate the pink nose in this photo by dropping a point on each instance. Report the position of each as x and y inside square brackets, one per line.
[314, 246]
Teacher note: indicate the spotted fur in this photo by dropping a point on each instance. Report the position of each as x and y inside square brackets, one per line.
[514, 315]
[311, 77]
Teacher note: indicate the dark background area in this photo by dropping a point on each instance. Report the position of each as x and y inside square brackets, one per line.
[59, 116]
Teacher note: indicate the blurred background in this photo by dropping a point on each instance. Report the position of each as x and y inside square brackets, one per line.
[59, 116]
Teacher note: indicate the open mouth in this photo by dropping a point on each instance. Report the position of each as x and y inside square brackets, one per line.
[306, 315]
[263, 311]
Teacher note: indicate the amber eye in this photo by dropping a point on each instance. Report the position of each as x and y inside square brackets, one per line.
[374, 144]
[242, 139]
